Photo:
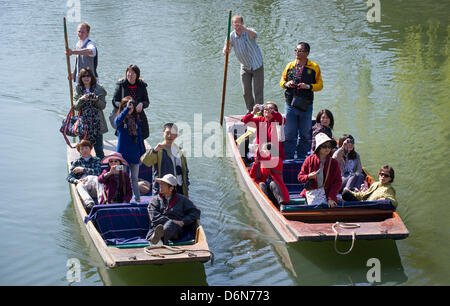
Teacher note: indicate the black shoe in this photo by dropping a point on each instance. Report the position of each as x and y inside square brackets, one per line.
[157, 234]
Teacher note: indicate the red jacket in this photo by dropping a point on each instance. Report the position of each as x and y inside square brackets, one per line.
[334, 180]
[260, 174]
[111, 185]
[266, 126]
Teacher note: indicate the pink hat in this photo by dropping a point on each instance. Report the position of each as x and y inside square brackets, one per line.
[115, 155]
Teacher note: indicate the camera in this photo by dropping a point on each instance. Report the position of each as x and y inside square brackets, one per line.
[92, 96]
[134, 102]
[119, 168]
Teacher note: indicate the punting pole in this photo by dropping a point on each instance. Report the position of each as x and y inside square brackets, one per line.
[69, 73]
[225, 70]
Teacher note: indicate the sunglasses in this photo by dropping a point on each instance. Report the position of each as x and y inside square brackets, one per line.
[86, 76]
[326, 147]
[300, 50]
[384, 175]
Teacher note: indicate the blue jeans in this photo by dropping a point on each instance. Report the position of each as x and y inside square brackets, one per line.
[297, 131]
[134, 174]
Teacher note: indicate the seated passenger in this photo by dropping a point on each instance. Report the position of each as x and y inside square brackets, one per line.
[349, 163]
[320, 173]
[168, 158]
[273, 176]
[381, 190]
[169, 212]
[84, 172]
[324, 124]
[116, 184]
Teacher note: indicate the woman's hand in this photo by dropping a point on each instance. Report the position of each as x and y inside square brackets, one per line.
[331, 203]
[313, 175]
[130, 105]
[139, 107]
[255, 109]
[113, 170]
[78, 170]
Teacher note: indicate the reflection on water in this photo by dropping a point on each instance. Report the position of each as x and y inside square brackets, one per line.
[386, 84]
[319, 264]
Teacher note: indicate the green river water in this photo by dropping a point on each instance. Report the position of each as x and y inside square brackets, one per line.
[386, 82]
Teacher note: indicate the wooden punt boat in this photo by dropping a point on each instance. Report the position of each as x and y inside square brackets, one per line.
[196, 250]
[314, 224]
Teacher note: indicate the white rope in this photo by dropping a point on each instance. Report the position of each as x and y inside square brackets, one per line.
[151, 250]
[346, 226]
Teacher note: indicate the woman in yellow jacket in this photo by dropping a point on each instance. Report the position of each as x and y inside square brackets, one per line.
[381, 190]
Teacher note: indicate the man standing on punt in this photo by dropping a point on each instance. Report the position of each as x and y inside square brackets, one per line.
[300, 79]
[85, 51]
[249, 55]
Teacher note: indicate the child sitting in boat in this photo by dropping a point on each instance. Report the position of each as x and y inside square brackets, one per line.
[381, 190]
[115, 181]
[269, 154]
[84, 172]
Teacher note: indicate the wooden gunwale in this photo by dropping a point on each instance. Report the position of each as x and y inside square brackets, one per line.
[113, 256]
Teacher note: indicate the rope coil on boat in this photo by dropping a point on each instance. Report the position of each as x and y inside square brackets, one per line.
[345, 226]
[158, 251]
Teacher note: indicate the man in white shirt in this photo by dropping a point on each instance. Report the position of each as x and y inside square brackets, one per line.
[243, 40]
[85, 51]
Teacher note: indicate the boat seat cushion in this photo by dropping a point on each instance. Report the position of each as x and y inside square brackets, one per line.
[127, 224]
[291, 169]
[380, 204]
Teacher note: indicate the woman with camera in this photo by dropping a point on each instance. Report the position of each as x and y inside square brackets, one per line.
[130, 144]
[90, 99]
[132, 85]
[115, 181]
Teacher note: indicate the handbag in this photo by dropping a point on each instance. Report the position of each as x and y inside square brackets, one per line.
[317, 196]
[74, 126]
[301, 103]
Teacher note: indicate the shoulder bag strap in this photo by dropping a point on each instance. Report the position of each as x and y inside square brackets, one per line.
[328, 171]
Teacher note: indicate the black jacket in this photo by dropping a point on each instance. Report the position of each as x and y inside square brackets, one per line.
[122, 91]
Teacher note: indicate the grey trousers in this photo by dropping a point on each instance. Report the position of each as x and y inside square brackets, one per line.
[274, 189]
[253, 82]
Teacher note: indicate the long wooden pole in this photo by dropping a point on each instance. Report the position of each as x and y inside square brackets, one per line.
[69, 72]
[225, 70]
